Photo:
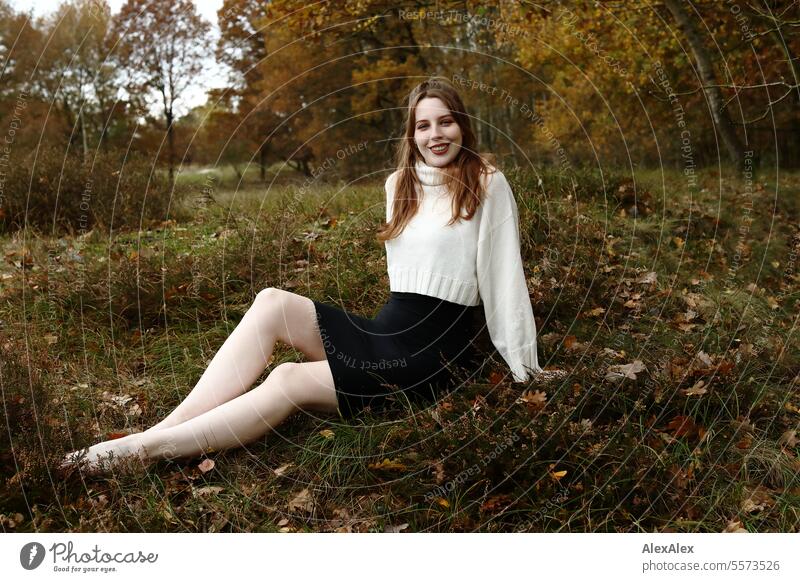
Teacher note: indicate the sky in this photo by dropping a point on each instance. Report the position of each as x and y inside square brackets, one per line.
[207, 8]
[212, 77]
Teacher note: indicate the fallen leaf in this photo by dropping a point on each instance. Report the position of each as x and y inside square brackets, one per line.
[206, 465]
[477, 404]
[207, 490]
[683, 426]
[387, 465]
[438, 470]
[757, 499]
[282, 469]
[619, 372]
[705, 359]
[734, 526]
[534, 399]
[496, 502]
[327, 433]
[495, 378]
[571, 344]
[647, 278]
[302, 502]
[789, 438]
[724, 367]
[395, 528]
[696, 390]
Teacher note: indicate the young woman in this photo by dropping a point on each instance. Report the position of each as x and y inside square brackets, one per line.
[452, 246]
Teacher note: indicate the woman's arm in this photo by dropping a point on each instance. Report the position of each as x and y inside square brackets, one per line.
[501, 281]
[389, 186]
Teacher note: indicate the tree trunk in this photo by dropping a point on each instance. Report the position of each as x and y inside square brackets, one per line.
[82, 103]
[83, 134]
[709, 80]
[170, 148]
[262, 161]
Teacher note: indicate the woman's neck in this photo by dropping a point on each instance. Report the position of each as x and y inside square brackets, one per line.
[429, 175]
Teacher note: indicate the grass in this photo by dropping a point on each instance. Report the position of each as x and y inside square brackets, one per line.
[138, 316]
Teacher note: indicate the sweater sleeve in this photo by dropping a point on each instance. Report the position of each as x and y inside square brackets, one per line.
[389, 187]
[501, 281]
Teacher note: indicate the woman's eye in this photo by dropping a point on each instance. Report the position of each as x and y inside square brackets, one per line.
[422, 126]
[446, 122]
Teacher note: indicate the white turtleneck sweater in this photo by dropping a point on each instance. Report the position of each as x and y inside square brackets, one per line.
[468, 262]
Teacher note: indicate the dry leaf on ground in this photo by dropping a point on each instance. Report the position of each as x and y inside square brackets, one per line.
[302, 502]
[620, 372]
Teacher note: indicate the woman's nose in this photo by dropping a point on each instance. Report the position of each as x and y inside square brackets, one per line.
[436, 131]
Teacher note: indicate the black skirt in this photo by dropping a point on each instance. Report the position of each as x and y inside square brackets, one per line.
[411, 349]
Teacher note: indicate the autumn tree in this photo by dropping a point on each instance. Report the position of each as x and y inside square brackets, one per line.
[163, 44]
[74, 70]
[242, 48]
[685, 18]
[621, 79]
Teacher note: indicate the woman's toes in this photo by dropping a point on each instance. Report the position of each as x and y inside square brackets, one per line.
[72, 458]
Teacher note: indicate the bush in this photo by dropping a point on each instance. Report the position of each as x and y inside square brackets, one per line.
[51, 191]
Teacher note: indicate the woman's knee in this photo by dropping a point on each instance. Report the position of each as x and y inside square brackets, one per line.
[271, 306]
[292, 319]
[275, 302]
[305, 388]
[268, 296]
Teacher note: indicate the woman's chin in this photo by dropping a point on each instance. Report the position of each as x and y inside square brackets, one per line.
[438, 162]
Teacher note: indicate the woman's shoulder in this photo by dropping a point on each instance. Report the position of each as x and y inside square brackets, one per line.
[390, 186]
[391, 180]
[494, 179]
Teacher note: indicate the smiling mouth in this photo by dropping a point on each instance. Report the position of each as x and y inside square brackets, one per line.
[440, 149]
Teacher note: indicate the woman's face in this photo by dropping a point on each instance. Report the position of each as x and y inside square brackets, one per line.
[436, 133]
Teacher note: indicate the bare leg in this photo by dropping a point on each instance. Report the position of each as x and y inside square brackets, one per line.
[289, 388]
[274, 315]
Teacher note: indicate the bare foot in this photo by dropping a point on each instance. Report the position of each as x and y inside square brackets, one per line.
[104, 456]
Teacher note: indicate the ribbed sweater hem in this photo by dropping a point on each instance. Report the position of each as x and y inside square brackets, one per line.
[433, 284]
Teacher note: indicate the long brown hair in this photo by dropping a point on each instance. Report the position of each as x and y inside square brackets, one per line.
[462, 175]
